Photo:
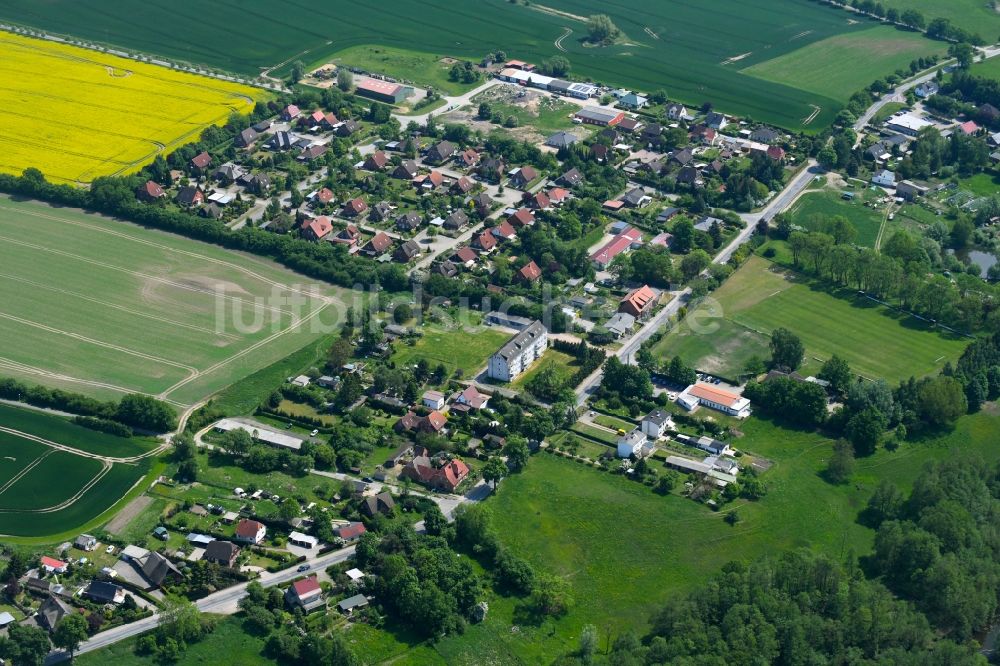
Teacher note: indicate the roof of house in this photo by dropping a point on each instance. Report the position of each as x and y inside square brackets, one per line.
[350, 530]
[152, 189]
[380, 241]
[101, 590]
[657, 416]
[571, 177]
[353, 602]
[638, 299]
[318, 226]
[465, 255]
[378, 159]
[221, 550]
[522, 217]
[561, 140]
[486, 241]
[201, 160]
[52, 610]
[306, 586]
[504, 229]
[969, 127]
[519, 342]
[597, 114]
[248, 528]
[530, 272]
[617, 245]
[52, 562]
[526, 174]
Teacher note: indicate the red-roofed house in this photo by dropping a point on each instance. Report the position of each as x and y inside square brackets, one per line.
[201, 161]
[348, 236]
[250, 531]
[432, 423]
[485, 241]
[150, 191]
[523, 176]
[465, 256]
[613, 205]
[378, 245]
[529, 272]
[639, 302]
[446, 478]
[616, 246]
[354, 207]
[968, 128]
[776, 153]
[290, 112]
[558, 195]
[539, 201]
[314, 119]
[52, 565]
[472, 398]
[522, 217]
[376, 161]
[504, 230]
[330, 121]
[468, 158]
[306, 594]
[350, 532]
[317, 228]
[324, 195]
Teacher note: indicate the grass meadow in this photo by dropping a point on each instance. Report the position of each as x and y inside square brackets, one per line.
[456, 349]
[77, 114]
[762, 297]
[841, 65]
[693, 51]
[36, 477]
[105, 308]
[829, 203]
[975, 16]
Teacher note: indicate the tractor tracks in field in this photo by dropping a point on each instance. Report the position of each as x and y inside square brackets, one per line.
[559, 40]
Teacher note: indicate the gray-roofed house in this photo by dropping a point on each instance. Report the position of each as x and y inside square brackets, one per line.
[765, 135]
[409, 221]
[246, 138]
[440, 152]
[104, 592]
[223, 553]
[348, 605]
[407, 251]
[456, 220]
[52, 610]
[407, 170]
[636, 198]
[620, 324]
[376, 504]
[85, 542]
[561, 140]
[655, 423]
[571, 178]
[682, 157]
[716, 120]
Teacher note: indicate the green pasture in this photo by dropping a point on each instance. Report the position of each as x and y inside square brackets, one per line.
[813, 206]
[843, 64]
[110, 308]
[761, 297]
[693, 51]
[426, 69]
[976, 16]
[455, 348]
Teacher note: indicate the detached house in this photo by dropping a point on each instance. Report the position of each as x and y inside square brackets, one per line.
[378, 245]
[250, 531]
[306, 594]
[529, 273]
[485, 241]
[407, 170]
[639, 302]
[407, 251]
[445, 477]
[317, 228]
[376, 161]
[571, 178]
[523, 176]
[522, 217]
[201, 161]
[456, 220]
[150, 192]
[440, 153]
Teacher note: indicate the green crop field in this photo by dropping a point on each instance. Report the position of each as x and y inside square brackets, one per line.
[989, 69]
[816, 205]
[102, 307]
[693, 50]
[45, 490]
[762, 297]
[456, 349]
[841, 65]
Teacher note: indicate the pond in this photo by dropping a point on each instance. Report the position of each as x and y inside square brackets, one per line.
[984, 260]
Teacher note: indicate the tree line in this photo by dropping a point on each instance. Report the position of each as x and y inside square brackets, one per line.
[134, 410]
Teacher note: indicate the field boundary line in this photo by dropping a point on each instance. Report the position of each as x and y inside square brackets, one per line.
[98, 343]
[138, 313]
[79, 452]
[187, 253]
[244, 352]
[30, 466]
[144, 276]
[17, 366]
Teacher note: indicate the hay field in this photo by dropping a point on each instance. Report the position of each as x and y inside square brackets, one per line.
[106, 308]
[77, 114]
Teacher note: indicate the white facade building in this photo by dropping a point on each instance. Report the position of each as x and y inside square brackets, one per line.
[631, 444]
[519, 353]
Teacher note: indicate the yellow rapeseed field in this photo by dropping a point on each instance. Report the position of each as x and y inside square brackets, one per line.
[76, 114]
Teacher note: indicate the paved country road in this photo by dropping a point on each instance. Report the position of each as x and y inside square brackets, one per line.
[223, 602]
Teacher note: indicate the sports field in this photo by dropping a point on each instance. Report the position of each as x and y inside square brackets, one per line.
[762, 297]
[841, 65]
[76, 114]
[55, 476]
[106, 308]
[693, 50]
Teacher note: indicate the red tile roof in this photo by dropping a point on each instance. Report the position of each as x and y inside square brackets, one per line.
[504, 230]
[616, 246]
[558, 195]
[201, 160]
[637, 301]
[530, 272]
[465, 255]
[306, 586]
[248, 529]
[318, 227]
[522, 217]
[153, 189]
[351, 530]
[969, 127]
[377, 159]
[356, 206]
[713, 394]
[325, 195]
[486, 241]
[290, 111]
[52, 563]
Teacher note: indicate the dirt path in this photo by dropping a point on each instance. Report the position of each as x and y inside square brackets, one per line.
[118, 524]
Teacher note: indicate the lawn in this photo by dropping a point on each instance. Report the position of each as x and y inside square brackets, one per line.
[694, 52]
[814, 206]
[97, 306]
[761, 297]
[115, 114]
[986, 184]
[886, 111]
[227, 644]
[989, 69]
[46, 491]
[841, 65]
[423, 69]
[456, 349]
[560, 362]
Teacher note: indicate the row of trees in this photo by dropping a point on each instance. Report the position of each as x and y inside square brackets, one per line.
[134, 410]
